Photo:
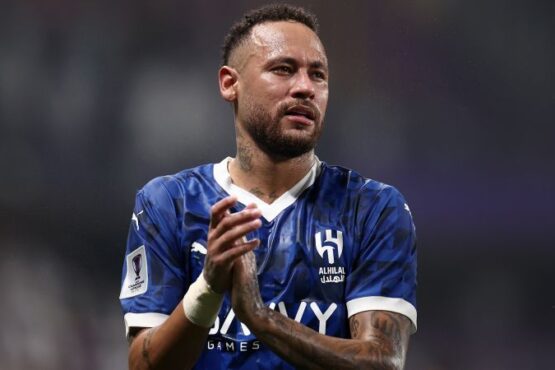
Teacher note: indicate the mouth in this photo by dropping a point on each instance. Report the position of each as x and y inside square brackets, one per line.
[301, 114]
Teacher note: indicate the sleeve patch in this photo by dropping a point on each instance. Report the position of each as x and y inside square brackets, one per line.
[136, 279]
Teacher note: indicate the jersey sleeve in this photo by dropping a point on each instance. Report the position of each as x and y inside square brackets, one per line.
[154, 277]
[383, 275]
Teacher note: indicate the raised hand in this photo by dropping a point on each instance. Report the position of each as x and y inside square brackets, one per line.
[226, 241]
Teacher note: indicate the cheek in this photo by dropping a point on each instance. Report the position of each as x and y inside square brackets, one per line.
[323, 101]
[263, 91]
[272, 85]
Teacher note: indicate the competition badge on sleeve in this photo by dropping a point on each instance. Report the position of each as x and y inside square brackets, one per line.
[136, 279]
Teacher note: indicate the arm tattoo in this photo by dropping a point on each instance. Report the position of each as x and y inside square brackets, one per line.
[379, 338]
[387, 326]
[354, 324]
[379, 342]
[146, 347]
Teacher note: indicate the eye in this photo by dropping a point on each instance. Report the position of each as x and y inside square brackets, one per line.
[319, 75]
[283, 70]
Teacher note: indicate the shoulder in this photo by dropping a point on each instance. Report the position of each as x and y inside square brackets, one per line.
[175, 185]
[356, 184]
[364, 201]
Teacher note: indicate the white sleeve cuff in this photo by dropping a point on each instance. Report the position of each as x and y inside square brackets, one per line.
[397, 305]
[143, 320]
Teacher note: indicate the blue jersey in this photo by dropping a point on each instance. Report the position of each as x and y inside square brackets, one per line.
[334, 245]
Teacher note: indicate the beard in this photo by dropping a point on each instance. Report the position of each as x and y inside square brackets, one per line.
[270, 135]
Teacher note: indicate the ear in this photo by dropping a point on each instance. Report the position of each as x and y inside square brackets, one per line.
[227, 78]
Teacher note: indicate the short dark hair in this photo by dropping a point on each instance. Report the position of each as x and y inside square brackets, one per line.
[268, 13]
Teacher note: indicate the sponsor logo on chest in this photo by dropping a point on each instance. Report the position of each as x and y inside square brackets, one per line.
[229, 341]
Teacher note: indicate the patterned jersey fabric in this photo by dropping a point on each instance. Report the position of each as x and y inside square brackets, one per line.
[334, 245]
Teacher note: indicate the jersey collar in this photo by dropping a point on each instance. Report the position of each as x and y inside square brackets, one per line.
[269, 211]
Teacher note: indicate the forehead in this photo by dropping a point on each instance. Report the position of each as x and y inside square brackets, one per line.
[285, 39]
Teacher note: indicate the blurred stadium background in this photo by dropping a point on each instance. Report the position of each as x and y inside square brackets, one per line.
[451, 101]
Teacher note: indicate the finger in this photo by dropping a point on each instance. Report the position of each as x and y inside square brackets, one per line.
[219, 209]
[239, 250]
[235, 234]
[233, 220]
[249, 206]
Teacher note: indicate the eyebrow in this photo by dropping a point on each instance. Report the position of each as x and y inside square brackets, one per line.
[318, 64]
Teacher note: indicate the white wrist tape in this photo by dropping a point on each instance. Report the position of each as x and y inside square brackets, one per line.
[201, 304]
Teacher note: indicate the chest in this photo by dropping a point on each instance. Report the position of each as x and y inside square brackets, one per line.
[303, 264]
[306, 252]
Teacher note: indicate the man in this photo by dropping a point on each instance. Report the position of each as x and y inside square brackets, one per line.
[271, 259]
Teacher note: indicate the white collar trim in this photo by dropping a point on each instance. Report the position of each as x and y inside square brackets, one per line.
[269, 211]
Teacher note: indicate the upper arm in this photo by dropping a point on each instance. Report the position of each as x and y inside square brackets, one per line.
[383, 274]
[154, 277]
[390, 331]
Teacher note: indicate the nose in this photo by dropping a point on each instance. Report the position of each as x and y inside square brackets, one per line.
[303, 86]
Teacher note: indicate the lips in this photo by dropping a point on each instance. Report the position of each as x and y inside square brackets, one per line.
[301, 113]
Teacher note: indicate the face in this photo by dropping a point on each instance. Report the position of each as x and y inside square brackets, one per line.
[282, 88]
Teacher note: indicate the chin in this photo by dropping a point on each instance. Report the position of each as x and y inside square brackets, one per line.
[288, 149]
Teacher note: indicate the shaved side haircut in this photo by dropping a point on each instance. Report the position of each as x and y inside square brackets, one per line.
[269, 13]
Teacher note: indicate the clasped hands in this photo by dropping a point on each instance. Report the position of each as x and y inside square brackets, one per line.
[230, 264]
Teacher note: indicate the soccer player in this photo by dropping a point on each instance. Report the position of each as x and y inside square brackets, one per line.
[271, 259]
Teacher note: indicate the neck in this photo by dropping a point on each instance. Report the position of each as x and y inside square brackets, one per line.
[264, 176]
